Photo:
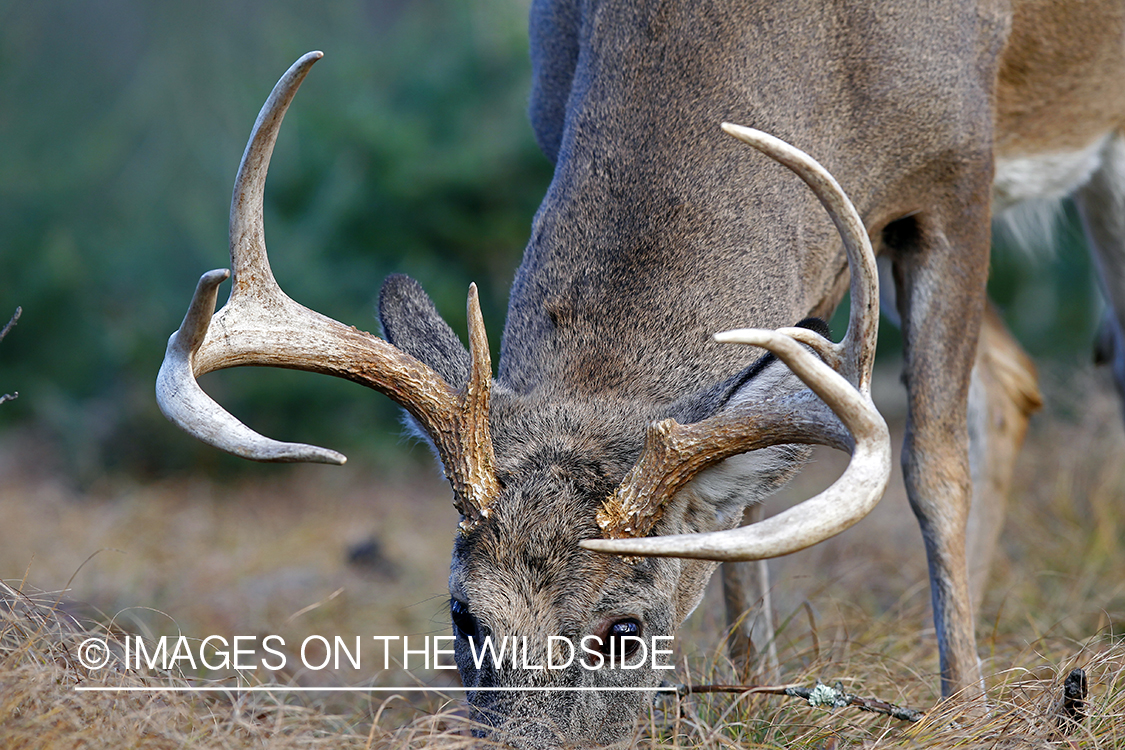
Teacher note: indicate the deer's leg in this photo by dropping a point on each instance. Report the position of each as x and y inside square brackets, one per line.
[1003, 395]
[940, 271]
[739, 583]
[746, 594]
[1101, 203]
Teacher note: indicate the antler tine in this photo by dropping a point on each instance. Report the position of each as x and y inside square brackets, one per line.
[187, 406]
[858, 345]
[261, 325]
[674, 454]
[252, 273]
[478, 475]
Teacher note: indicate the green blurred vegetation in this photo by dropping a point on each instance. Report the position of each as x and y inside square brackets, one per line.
[121, 126]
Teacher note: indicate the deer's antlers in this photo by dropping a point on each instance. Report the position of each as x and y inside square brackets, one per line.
[261, 325]
[841, 377]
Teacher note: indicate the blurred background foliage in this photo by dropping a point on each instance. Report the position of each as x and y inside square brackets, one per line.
[407, 150]
[122, 124]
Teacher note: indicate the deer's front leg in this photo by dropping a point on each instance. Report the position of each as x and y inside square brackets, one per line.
[747, 596]
[940, 272]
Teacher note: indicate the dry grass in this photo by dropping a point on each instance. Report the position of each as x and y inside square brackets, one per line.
[41, 706]
[269, 557]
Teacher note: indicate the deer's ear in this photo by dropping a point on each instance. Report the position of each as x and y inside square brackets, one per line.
[721, 493]
[412, 323]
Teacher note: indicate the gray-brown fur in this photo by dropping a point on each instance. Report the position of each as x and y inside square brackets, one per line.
[658, 231]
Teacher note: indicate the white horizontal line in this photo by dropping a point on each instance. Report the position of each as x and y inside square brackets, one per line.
[283, 689]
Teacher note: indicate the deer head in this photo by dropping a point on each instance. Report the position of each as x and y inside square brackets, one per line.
[587, 513]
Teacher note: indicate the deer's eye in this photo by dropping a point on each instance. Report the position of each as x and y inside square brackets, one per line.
[614, 643]
[464, 624]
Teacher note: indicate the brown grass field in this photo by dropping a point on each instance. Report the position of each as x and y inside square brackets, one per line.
[272, 557]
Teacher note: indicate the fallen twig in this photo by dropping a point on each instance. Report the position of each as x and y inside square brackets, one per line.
[4, 332]
[820, 695]
[12, 322]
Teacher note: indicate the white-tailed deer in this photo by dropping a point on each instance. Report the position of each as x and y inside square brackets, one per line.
[618, 422]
